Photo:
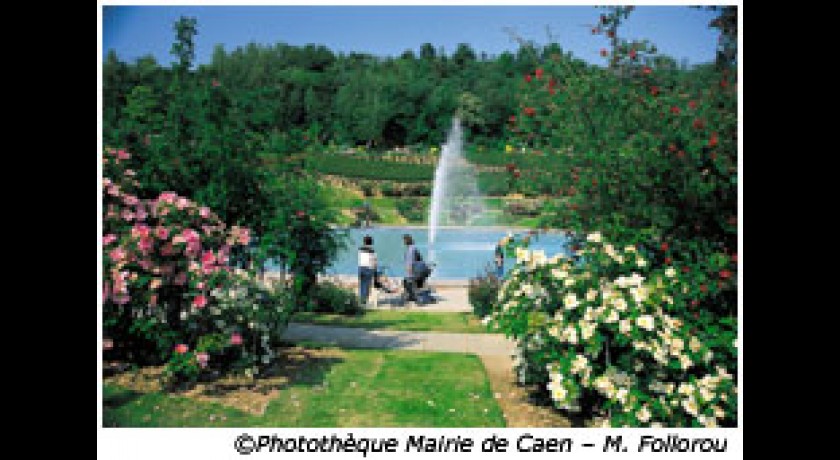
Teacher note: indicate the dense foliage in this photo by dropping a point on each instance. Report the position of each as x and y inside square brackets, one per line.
[305, 95]
[483, 291]
[640, 325]
[329, 297]
[195, 135]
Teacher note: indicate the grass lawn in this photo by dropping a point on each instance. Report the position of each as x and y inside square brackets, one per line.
[399, 320]
[327, 387]
[386, 208]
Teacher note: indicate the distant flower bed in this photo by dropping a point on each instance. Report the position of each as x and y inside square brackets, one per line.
[370, 169]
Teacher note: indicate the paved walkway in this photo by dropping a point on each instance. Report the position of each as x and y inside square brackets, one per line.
[352, 337]
[447, 299]
[450, 295]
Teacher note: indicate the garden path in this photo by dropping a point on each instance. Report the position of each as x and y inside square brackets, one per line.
[494, 350]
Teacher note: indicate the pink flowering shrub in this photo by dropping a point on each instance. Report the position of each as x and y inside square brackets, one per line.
[169, 292]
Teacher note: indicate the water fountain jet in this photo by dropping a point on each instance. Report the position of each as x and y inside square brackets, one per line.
[456, 199]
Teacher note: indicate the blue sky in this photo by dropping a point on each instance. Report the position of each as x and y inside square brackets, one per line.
[135, 31]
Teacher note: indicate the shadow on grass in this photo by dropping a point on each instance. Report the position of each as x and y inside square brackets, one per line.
[114, 400]
[293, 366]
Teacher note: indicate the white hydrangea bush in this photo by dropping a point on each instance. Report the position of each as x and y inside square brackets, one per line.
[609, 334]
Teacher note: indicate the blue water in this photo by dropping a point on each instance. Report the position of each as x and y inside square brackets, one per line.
[459, 253]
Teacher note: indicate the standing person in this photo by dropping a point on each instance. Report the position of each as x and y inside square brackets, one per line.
[410, 257]
[500, 257]
[367, 267]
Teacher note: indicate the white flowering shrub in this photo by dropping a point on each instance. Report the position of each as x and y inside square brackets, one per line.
[613, 335]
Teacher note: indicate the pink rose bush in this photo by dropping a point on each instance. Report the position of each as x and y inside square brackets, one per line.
[169, 292]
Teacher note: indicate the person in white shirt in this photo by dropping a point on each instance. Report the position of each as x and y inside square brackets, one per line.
[367, 268]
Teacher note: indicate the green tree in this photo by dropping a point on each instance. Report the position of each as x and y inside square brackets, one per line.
[184, 46]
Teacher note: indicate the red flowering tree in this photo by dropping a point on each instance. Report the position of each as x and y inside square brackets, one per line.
[642, 144]
[649, 159]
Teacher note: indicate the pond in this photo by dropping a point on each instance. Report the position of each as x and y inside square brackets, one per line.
[459, 252]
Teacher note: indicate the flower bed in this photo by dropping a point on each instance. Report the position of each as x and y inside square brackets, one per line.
[170, 292]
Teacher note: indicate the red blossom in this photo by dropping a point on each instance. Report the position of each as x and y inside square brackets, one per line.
[713, 141]
[654, 90]
[145, 244]
[200, 301]
[647, 70]
[698, 123]
[632, 54]
[725, 274]
[300, 214]
[610, 34]
[734, 258]
[681, 154]
[668, 260]
[181, 348]
[603, 52]
[552, 91]
[528, 78]
[539, 73]
[692, 104]
[672, 147]
[208, 258]
[510, 167]
[686, 269]
[516, 174]
[675, 110]
[664, 246]
[530, 111]
[704, 288]
[512, 119]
